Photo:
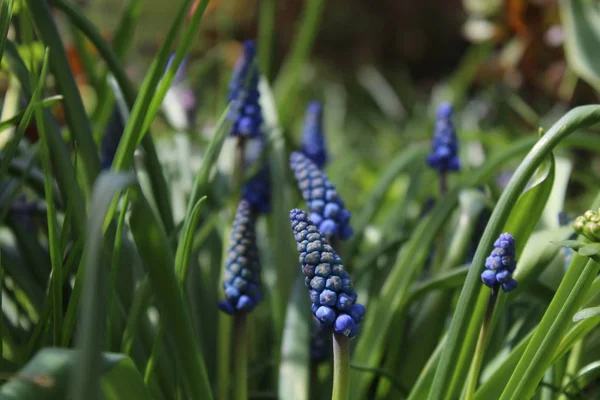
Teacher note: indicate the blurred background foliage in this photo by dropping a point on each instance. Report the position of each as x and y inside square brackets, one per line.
[382, 66]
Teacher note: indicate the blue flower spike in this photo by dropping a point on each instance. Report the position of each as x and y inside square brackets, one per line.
[245, 113]
[327, 209]
[444, 146]
[313, 139]
[242, 284]
[331, 291]
[501, 264]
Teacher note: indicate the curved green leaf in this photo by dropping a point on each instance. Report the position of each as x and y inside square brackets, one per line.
[46, 376]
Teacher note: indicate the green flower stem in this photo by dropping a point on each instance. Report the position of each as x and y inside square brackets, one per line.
[481, 345]
[240, 365]
[341, 367]
[443, 183]
[240, 163]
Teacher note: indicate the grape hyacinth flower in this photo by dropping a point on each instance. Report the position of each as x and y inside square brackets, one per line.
[242, 274]
[331, 291]
[444, 146]
[245, 113]
[313, 140]
[588, 225]
[501, 264]
[327, 208]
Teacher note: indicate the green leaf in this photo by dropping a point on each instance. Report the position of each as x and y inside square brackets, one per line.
[47, 375]
[76, 118]
[551, 329]
[56, 251]
[93, 312]
[157, 179]
[61, 160]
[184, 249]
[6, 11]
[288, 79]
[134, 131]
[158, 258]
[586, 313]
[399, 165]
[581, 23]
[295, 356]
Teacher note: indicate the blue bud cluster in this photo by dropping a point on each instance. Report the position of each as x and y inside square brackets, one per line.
[501, 264]
[257, 189]
[242, 269]
[245, 113]
[331, 291]
[444, 146]
[313, 140]
[327, 208]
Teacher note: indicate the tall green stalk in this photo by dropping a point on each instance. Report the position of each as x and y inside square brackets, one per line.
[341, 367]
[481, 345]
[240, 362]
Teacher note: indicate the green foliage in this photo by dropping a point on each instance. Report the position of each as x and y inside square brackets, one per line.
[120, 270]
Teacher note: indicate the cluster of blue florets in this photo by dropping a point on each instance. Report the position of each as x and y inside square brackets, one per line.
[501, 264]
[444, 146]
[245, 113]
[331, 291]
[242, 269]
[313, 140]
[327, 208]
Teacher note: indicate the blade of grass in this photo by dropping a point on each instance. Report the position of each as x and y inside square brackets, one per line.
[288, 79]
[61, 161]
[53, 234]
[6, 11]
[114, 270]
[266, 33]
[75, 114]
[86, 382]
[16, 120]
[134, 128]
[158, 259]
[122, 40]
[184, 250]
[183, 48]
[209, 161]
[554, 324]
[397, 166]
[157, 179]
[577, 118]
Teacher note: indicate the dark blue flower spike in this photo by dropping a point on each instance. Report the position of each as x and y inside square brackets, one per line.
[444, 146]
[313, 140]
[334, 301]
[501, 264]
[245, 113]
[242, 282]
[326, 207]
